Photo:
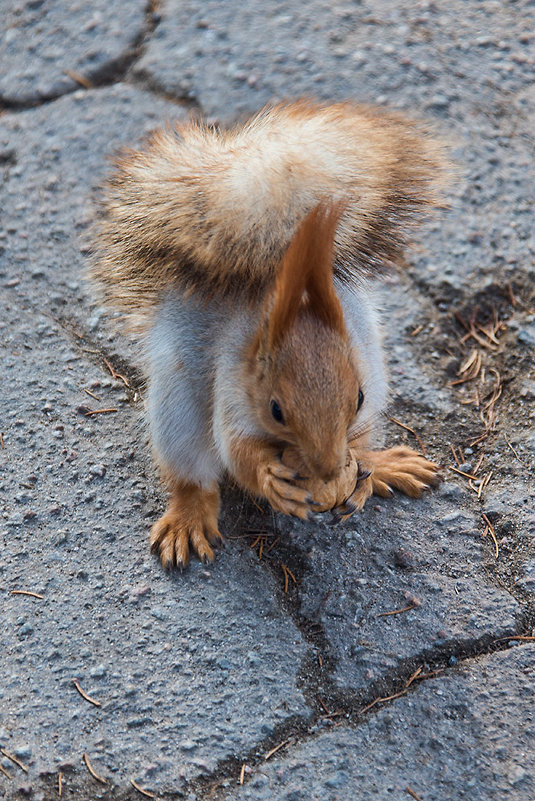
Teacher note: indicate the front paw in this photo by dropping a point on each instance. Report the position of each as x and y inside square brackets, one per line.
[403, 469]
[275, 481]
[362, 490]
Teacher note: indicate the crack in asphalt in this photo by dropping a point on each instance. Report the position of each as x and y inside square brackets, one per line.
[350, 712]
[114, 71]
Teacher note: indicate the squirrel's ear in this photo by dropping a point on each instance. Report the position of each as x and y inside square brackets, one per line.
[306, 275]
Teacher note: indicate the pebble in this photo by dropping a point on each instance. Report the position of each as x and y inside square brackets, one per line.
[98, 470]
[139, 591]
[450, 518]
[526, 336]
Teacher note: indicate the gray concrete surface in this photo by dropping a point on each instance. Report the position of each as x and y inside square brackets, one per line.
[49, 47]
[201, 675]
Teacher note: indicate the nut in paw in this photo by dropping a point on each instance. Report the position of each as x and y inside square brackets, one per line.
[330, 495]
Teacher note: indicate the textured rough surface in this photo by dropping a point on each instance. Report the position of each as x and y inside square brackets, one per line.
[424, 556]
[166, 656]
[462, 736]
[376, 50]
[55, 156]
[202, 673]
[49, 47]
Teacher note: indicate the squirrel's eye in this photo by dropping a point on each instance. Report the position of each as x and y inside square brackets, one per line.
[360, 399]
[276, 412]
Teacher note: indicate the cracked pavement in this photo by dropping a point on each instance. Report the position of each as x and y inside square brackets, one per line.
[391, 657]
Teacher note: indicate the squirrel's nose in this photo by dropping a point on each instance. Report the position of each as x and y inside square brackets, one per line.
[328, 469]
[330, 475]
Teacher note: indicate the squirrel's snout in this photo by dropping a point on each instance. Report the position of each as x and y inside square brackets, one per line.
[327, 470]
[331, 474]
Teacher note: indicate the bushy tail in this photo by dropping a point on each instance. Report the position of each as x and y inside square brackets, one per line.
[214, 211]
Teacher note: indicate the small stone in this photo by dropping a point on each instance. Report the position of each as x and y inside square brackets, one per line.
[138, 591]
[526, 336]
[26, 630]
[443, 521]
[188, 745]
[137, 723]
[403, 558]
[98, 470]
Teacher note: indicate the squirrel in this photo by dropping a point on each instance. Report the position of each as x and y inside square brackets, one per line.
[244, 260]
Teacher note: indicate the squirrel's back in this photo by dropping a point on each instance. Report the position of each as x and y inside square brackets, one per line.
[214, 211]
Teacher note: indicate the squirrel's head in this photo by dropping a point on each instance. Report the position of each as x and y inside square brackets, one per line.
[303, 379]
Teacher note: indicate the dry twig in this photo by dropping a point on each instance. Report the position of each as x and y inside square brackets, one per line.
[92, 770]
[382, 701]
[457, 462]
[462, 473]
[287, 572]
[115, 374]
[14, 759]
[84, 695]
[398, 611]
[415, 675]
[528, 637]
[415, 795]
[77, 78]
[90, 413]
[515, 453]
[277, 748]
[411, 431]
[141, 790]
[490, 530]
[29, 593]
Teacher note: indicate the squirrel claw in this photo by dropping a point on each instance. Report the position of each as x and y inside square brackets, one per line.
[345, 509]
[362, 474]
[172, 536]
[282, 494]
[335, 519]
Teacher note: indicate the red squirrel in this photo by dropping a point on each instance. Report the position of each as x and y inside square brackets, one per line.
[245, 260]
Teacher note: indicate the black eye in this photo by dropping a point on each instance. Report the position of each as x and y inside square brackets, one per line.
[360, 399]
[276, 412]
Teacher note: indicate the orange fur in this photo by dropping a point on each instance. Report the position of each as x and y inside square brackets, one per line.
[306, 276]
[259, 469]
[190, 520]
[403, 469]
[313, 375]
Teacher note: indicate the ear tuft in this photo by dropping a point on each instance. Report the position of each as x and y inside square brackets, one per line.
[305, 276]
